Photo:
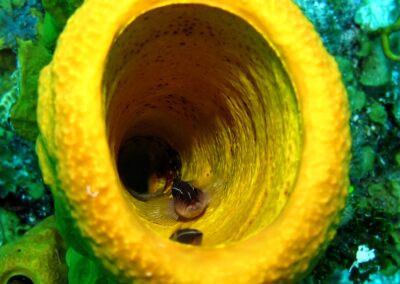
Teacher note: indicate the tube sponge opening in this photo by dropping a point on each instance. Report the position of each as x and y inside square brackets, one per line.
[210, 85]
[246, 95]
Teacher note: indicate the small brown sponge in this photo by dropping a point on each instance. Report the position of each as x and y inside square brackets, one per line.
[39, 256]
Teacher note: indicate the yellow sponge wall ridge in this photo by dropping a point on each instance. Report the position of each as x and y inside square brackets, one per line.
[248, 96]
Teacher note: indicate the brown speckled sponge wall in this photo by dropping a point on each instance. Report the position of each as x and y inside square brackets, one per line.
[205, 81]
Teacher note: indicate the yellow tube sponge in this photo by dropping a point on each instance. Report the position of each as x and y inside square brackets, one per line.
[248, 97]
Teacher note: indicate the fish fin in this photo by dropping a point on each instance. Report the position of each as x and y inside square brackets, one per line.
[160, 211]
[171, 210]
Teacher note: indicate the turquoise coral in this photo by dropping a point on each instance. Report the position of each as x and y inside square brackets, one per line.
[373, 15]
[17, 22]
[8, 97]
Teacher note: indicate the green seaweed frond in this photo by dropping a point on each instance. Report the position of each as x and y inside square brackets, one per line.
[385, 34]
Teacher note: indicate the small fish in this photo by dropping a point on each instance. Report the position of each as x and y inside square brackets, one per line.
[147, 196]
[146, 162]
[155, 190]
[189, 201]
[186, 203]
[187, 236]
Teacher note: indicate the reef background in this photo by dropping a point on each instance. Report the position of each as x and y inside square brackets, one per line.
[366, 248]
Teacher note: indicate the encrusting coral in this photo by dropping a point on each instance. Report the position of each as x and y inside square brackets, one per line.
[245, 93]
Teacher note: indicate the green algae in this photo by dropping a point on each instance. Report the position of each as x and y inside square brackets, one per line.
[83, 270]
[32, 58]
[377, 113]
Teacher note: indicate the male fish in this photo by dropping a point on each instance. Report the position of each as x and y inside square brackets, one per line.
[189, 201]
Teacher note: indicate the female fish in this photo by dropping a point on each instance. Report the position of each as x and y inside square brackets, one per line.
[187, 236]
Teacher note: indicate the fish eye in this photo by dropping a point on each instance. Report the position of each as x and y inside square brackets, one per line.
[193, 191]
